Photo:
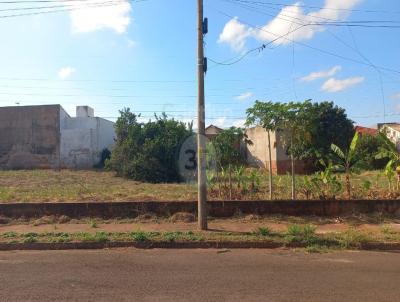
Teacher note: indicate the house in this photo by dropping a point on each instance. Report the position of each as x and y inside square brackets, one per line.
[212, 131]
[366, 131]
[392, 131]
[258, 155]
[46, 136]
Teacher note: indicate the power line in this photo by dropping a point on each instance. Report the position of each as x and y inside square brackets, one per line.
[341, 41]
[260, 48]
[244, 117]
[56, 6]
[319, 7]
[42, 1]
[112, 96]
[96, 80]
[312, 47]
[89, 5]
[328, 22]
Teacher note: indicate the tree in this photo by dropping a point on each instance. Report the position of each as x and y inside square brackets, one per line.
[147, 151]
[297, 129]
[347, 161]
[227, 145]
[331, 126]
[307, 129]
[367, 149]
[267, 115]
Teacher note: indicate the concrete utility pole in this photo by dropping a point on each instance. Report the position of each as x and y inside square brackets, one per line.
[201, 144]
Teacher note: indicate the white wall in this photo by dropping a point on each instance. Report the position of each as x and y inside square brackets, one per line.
[83, 139]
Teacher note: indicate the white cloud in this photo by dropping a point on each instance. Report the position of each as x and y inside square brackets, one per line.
[235, 34]
[335, 85]
[244, 96]
[239, 123]
[395, 97]
[288, 22]
[219, 122]
[93, 18]
[397, 107]
[65, 72]
[321, 74]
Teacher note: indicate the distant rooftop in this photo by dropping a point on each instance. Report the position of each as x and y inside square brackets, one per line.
[366, 130]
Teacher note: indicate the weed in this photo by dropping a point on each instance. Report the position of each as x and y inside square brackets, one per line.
[309, 230]
[351, 239]
[30, 240]
[316, 248]
[101, 237]
[97, 237]
[30, 235]
[172, 236]
[93, 224]
[387, 229]
[294, 230]
[10, 235]
[264, 231]
[304, 234]
[193, 237]
[140, 236]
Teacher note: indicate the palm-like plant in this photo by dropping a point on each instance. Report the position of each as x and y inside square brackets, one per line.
[347, 160]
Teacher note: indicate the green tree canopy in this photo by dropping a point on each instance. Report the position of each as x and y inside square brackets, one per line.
[227, 147]
[147, 151]
[331, 126]
[368, 148]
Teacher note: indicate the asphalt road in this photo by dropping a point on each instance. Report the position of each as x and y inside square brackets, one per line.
[198, 275]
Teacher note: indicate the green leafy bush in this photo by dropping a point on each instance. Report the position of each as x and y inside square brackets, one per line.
[104, 156]
[367, 149]
[140, 236]
[147, 151]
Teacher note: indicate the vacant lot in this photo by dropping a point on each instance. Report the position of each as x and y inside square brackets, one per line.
[67, 185]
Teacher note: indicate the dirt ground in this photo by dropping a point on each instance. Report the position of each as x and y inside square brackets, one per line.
[227, 225]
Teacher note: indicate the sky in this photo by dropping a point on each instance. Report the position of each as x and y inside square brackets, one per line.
[111, 54]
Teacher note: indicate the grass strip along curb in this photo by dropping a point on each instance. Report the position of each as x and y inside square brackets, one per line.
[297, 236]
[180, 245]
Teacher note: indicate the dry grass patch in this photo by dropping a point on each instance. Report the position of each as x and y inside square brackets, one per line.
[69, 186]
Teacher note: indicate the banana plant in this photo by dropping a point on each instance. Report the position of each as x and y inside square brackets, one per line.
[211, 179]
[255, 180]
[389, 151]
[239, 174]
[347, 160]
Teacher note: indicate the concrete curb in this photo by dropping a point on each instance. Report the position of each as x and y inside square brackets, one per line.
[372, 246]
[221, 209]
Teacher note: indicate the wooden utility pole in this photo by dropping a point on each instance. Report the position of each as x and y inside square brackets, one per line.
[201, 143]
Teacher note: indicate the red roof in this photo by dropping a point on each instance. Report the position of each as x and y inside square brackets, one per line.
[364, 130]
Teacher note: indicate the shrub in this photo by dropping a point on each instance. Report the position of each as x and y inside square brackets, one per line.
[140, 236]
[104, 156]
[304, 234]
[264, 231]
[147, 151]
[367, 149]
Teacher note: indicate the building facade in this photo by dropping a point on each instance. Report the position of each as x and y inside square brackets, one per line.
[392, 131]
[258, 155]
[48, 137]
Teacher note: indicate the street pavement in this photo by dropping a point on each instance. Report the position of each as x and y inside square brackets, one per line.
[198, 275]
